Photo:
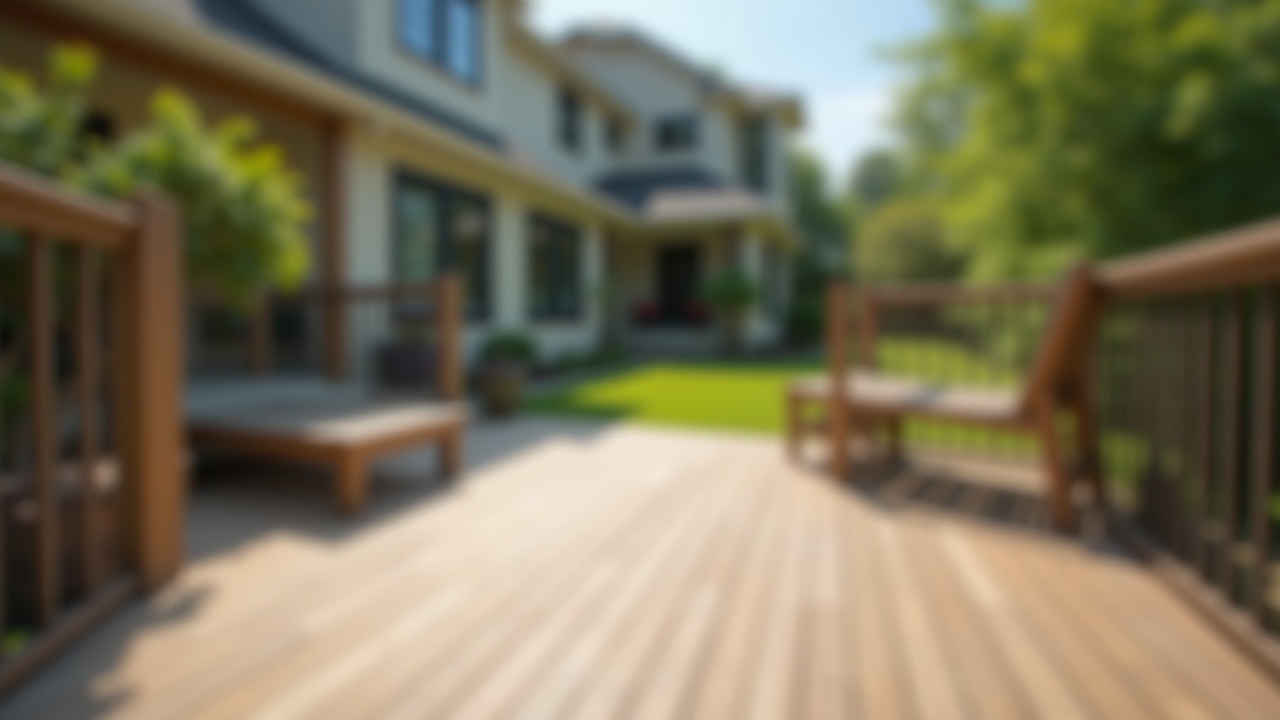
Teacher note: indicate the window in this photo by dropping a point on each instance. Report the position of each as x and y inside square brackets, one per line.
[570, 116]
[555, 269]
[445, 32]
[753, 137]
[615, 136]
[676, 132]
[436, 228]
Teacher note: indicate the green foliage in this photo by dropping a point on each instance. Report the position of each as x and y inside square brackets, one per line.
[40, 130]
[244, 211]
[820, 219]
[731, 291]
[1062, 129]
[823, 224]
[510, 346]
[877, 177]
[906, 240]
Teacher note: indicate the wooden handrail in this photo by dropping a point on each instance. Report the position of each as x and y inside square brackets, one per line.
[37, 205]
[1243, 256]
[938, 293]
[126, 345]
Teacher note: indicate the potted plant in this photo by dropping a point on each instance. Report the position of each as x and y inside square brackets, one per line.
[731, 294]
[506, 360]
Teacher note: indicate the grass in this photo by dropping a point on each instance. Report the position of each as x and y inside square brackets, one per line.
[748, 395]
[743, 396]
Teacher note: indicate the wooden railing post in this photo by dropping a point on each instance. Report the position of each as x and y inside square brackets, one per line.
[41, 311]
[868, 329]
[837, 370]
[260, 338]
[449, 312]
[150, 418]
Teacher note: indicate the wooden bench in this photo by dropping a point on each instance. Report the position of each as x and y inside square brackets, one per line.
[345, 435]
[856, 403]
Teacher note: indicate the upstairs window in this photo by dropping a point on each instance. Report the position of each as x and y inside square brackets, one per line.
[615, 136]
[675, 133]
[569, 109]
[447, 33]
[555, 269]
[754, 153]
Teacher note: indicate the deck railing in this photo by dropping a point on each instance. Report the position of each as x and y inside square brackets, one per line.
[392, 338]
[91, 482]
[1184, 377]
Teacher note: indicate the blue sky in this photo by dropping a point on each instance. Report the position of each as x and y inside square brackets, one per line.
[830, 51]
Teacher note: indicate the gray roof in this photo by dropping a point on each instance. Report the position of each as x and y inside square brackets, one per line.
[680, 194]
[248, 23]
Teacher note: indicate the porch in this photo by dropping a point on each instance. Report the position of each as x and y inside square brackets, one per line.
[659, 279]
[571, 575]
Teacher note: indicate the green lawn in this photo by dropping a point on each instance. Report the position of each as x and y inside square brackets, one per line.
[744, 396]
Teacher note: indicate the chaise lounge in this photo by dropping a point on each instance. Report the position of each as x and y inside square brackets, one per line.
[859, 402]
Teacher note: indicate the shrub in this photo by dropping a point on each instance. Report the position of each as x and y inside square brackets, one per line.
[510, 346]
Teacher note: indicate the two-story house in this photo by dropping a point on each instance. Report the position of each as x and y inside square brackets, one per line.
[585, 189]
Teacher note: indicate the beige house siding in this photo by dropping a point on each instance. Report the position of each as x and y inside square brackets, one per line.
[531, 119]
[379, 52]
[372, 166]
[327, 26]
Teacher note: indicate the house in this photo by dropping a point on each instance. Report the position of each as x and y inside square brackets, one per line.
[585, 189]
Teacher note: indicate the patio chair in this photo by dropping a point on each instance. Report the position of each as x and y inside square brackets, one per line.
[862, 401]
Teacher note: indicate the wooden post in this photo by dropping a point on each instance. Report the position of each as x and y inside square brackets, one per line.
[868, 330]
[260, 332]
[89, 360]
[837, 371]
[150, 305]
[334, 251]
[41, 319]
[449, 312]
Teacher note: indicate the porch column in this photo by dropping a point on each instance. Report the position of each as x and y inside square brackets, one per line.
[509, 262]
[596, 282]
[751, 262]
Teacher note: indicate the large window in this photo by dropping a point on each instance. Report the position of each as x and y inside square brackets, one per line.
[438, 227]
[569, 111]
[674, 133]
[446, 33]
[615, 135]
[754, 153]
[555, 269]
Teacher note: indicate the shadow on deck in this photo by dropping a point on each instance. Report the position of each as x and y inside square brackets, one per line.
[598, 571]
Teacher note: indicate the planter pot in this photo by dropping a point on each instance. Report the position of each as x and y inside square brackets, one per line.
[407, 364]
[502, 388]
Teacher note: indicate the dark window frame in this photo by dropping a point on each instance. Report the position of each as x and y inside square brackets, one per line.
[570, 119]
[615, 135]
[677, 132]
[753, 153]
[556, 250]
[442, 40]
[451, 198]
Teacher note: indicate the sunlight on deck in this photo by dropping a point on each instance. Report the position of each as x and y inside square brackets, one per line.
[596, 571]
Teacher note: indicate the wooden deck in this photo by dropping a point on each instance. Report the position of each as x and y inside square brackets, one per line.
[594, 572]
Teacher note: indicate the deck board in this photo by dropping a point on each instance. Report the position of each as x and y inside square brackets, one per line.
[593, 571]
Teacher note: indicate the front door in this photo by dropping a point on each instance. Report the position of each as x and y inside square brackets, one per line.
[679, 277]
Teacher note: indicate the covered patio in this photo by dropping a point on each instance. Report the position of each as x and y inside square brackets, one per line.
[585, 570]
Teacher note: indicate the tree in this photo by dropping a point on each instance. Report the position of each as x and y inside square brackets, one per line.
[876, 178]
[905, 240]
[1088, 128]
[823, 224]
[244, 211]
